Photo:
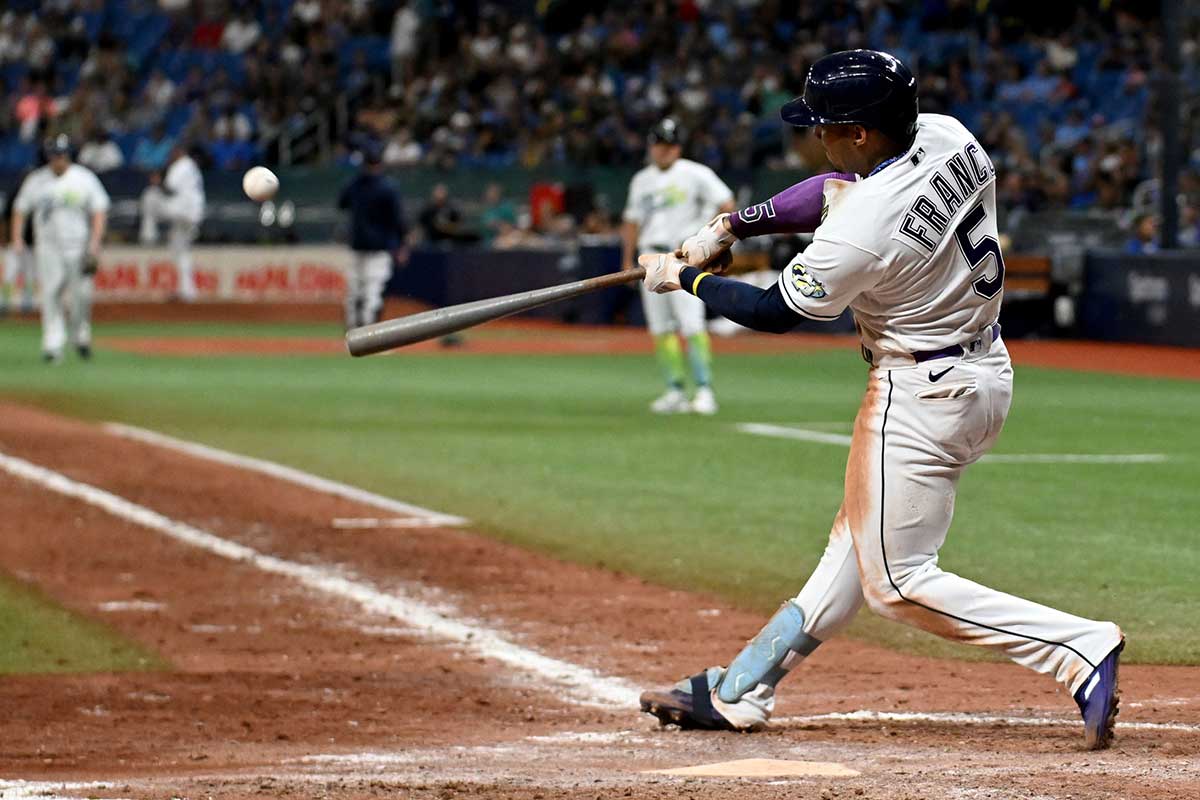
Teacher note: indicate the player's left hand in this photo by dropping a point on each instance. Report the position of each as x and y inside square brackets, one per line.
[91, 259]
[662, 272]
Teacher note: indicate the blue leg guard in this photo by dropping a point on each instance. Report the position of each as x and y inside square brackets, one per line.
[761, 660]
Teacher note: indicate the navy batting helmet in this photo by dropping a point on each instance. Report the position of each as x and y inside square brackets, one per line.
[666, 132]
[57, 145]
[858, 87]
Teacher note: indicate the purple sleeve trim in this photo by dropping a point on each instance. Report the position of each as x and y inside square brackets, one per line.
[797, 209]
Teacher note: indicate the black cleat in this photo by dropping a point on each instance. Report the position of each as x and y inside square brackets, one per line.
[690, 710]
[1099, 701]
[85, 352]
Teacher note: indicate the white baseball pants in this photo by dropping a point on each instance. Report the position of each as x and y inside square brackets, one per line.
[673, 312]
[913, 437]
[66, 297]
[182, 231]
[180, 236]
[368, 275]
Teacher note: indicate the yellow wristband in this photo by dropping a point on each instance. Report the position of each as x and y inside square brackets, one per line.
[699, 278]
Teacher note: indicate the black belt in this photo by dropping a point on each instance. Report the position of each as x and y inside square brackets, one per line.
[955, 350]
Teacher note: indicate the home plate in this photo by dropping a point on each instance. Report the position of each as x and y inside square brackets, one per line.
[763, 768]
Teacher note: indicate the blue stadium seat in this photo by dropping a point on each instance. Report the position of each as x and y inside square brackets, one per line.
[178, 118]
[16, 155]
[12, 74]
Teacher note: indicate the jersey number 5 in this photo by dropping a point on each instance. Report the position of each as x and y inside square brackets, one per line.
[978, 252]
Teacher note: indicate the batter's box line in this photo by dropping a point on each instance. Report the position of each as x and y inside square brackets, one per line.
[962, 718]
[282, 472]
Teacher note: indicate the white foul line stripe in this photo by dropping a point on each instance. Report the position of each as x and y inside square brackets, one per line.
[48, 790]
[785, 432]
[370, 523]
[821, 437]
[957, 718]
[583, 685]
[290, 474]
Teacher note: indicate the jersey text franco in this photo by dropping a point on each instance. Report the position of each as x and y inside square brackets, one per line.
[912, 249]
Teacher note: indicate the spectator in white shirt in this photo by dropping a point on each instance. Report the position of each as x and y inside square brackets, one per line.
[242, 32]
[100, 153]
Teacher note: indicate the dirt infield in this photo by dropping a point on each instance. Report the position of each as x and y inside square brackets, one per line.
[290, 681]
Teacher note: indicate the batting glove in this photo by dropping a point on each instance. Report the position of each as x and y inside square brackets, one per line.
[705, 247]
[662, 272]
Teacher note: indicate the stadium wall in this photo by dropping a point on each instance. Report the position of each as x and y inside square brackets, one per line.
[1151, 299]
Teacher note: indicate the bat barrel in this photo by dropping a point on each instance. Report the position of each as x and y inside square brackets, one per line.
[393, 333]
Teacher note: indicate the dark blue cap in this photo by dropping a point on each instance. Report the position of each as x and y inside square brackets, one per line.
[57, 145]
[666, 132]
[858, 87]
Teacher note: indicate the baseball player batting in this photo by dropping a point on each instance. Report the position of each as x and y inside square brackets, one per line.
[668, 199]
[905, 236]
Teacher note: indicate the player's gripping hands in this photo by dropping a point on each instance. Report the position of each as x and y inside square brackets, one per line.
[662, 271]
[705, 248]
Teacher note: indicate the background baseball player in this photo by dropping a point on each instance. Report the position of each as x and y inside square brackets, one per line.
[669, 199]
[911, 247]
[69, 207]
[179, 201]
[18, 264]
[377, 233]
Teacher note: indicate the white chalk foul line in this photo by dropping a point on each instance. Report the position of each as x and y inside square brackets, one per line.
[578, 683]
[958, 718]
[48, 790]
[373, 523]
[290, 474]
[821, 437]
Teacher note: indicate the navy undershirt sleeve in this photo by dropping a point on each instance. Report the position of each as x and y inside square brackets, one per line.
[759, 309]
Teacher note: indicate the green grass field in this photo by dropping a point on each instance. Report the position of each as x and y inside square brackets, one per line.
[558, 453]
[37, 635]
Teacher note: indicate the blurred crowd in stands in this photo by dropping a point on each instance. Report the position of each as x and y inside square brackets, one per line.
[1062, 94]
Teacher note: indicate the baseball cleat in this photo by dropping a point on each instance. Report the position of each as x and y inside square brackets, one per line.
[678, 705]
[1099, 700]
[85, 352]
[705, 402]
[672, 402]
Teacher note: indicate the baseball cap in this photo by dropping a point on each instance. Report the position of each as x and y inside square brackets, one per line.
[58, 145]
[666, 132]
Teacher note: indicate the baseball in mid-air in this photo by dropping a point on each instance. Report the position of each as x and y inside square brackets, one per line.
[260, 184]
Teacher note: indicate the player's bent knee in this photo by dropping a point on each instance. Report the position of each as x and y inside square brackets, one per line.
[883, 598]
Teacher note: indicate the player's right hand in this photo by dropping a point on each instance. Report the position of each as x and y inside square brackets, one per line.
[704, 248]
[662, 272]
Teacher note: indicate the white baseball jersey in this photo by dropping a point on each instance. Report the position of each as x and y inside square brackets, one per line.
[186, 185]
[671, 204]
[912, 249]
[62, 205]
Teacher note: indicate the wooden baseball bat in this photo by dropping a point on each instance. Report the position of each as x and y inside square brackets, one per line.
[392, 333]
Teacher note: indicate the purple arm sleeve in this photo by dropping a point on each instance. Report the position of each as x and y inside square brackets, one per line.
[797, 209]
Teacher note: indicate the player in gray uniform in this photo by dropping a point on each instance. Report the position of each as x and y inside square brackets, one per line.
[905, 236]
[69, 207]
[667, 200]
